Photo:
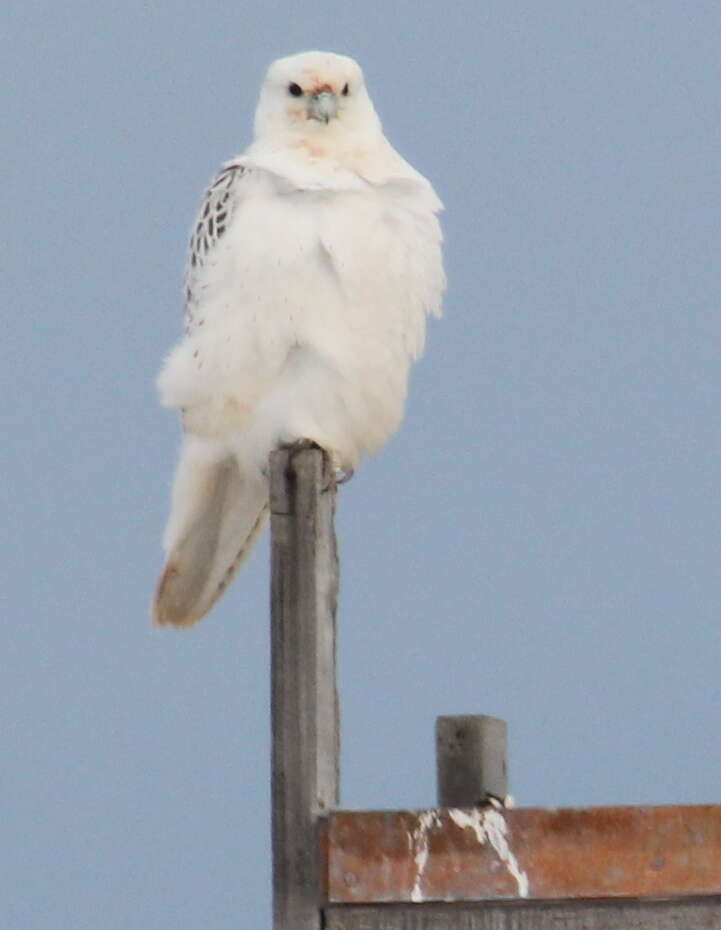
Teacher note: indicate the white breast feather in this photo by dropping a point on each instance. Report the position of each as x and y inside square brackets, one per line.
[346, 276]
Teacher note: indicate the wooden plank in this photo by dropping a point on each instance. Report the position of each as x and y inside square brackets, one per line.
[304, 589]
[485, 854]
[698, 914]
[471, 760]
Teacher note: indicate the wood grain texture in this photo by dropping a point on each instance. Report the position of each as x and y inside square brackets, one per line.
[445, 854]
[471, 759]
[702, 914]
[304, 591]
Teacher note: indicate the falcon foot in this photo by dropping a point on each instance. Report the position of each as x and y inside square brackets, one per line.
[299, 444]
[340, 475]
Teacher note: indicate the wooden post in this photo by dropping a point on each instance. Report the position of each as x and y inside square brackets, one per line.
[471, 760]
[305, 752]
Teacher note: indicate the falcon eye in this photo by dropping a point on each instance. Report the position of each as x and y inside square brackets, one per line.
[345, 91]
[295, 90]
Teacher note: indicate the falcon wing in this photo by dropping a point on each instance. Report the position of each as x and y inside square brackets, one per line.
[219, 506]
[216, 212]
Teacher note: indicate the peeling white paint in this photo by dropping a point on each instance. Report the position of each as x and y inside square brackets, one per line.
[490, 826]
[419, 842]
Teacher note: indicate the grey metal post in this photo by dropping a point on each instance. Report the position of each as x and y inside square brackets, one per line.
[305, 751]
[471, 760]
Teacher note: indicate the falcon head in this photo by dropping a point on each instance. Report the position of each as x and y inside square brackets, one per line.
[314, 96]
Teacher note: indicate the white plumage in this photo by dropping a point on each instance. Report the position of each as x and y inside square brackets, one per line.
[314, 261]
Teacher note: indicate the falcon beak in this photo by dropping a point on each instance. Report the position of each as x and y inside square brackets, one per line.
[323, 106]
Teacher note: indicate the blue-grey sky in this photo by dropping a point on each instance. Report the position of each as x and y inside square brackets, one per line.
[540, 541]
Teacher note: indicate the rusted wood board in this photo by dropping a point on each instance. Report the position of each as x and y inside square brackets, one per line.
[304, 586]
[700, 914]
[538, 854]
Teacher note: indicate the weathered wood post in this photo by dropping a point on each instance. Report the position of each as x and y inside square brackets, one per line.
[471, 760]
[305, 731]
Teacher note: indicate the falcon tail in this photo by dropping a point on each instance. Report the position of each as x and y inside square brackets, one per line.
[218, 513]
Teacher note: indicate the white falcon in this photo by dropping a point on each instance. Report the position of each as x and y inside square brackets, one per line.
[314, 261]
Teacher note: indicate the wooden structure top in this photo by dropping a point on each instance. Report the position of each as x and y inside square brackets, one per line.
[468, 864]
[487, 853]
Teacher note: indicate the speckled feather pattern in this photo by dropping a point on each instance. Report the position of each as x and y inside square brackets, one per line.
[213, 219]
